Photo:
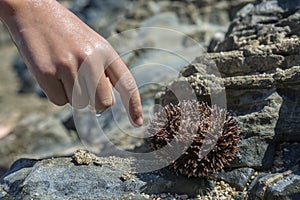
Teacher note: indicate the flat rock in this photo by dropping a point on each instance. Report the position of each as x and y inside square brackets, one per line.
[285, 185]
[237, 178]
[94, 178]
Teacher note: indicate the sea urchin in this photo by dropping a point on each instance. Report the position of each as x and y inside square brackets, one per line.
[212, 133]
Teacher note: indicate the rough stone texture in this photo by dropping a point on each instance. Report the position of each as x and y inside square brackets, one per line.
[36, 136]
[258, 65]
[287, 156]
[115, 178]
[230, 177]
[283, 185]
[200, 20]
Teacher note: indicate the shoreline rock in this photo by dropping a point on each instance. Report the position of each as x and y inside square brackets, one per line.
[114, 178]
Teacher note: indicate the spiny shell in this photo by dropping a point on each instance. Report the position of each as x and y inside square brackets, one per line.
[211, 135]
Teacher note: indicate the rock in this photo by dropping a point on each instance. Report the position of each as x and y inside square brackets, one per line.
[262, 24]
[101, 15]
[37, 136]
[287, 156]
[27, 83]
[63, 178]
[198, 19]
[285, 185]
[258, 68]
[237, 178]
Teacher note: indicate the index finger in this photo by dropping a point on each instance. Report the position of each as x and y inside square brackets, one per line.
[123, 81]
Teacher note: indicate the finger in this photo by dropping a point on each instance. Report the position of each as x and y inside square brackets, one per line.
[104, 97]
[75, 89]
[99, 89]
[53, 89]
[125, 84]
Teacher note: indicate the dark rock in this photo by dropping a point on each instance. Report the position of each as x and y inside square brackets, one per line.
[287, 156]
[237, 178]
[284, 185]
[62, 178]
[255, 152]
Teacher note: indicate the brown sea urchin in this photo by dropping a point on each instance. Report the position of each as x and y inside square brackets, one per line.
[211, 134]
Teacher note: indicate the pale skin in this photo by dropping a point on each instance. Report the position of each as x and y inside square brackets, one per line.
[54, 44]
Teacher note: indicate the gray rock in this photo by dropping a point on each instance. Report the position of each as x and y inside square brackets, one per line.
[287, 156]
[101, 15]
[258, 62]
[284, 185]
[114, 178]
[237, 178]
[37, 136]
[255, 152]
[273, 18]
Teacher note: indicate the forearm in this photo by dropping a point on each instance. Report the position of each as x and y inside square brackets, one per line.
[19, 15]
[8, 8]
[24, 8]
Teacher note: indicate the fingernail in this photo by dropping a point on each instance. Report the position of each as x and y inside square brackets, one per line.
[139, 121]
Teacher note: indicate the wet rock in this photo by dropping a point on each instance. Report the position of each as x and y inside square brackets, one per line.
[63, 178]
[284, 185]
[237, 178]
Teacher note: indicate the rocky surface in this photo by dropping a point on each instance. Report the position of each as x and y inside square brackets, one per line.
[283, 185]
[258, 68]
[86, 176]
[37, 136]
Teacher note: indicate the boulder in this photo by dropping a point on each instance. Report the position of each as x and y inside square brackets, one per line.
[85, 176]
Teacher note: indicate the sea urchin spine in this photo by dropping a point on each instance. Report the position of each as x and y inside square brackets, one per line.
[212, 132]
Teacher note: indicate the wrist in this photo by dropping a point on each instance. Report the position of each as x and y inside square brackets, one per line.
[8, 8]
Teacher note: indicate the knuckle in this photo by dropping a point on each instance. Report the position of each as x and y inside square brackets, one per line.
[106, 103]
[130, 86]
[46, 70]
[67, 64]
